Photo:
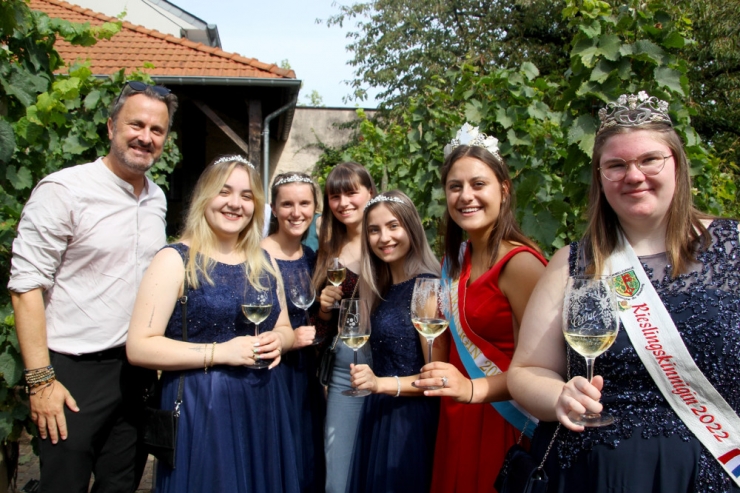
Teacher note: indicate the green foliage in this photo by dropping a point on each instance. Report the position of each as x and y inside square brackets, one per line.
[546, 122]
[46, 123]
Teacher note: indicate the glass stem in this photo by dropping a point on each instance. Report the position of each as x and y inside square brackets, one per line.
[308, 319]
[430, 344]
[590, 368]
[256, 330]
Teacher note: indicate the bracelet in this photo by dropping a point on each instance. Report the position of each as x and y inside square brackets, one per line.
[472, 391]
[324, 311]
[205, 360]
[213, 350]
[38, 377]
[398, 382]
[41, 389]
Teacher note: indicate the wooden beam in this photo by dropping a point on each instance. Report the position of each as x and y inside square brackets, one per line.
[223, 126]
[255, 131]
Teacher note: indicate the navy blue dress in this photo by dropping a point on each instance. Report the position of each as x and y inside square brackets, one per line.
[394, 449]
[649, 449]
[307, 395]
[235, 432]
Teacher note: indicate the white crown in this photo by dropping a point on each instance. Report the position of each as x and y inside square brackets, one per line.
[383, 198]
[471, 136]
[292, 179]
[234, 157]
[632, 110]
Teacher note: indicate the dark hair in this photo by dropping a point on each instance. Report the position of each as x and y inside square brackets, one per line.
[275, 190]
[505, 229]
[345, 177]
[685, 230]
[169, 99]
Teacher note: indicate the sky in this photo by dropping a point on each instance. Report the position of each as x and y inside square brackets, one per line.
[276, 30]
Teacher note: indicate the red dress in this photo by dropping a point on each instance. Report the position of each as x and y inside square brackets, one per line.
[472, 439]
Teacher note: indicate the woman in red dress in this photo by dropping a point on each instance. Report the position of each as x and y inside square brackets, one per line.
[494, 273]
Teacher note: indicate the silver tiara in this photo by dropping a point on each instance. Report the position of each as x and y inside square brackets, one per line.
[234, 157]
[632, 110]
[293, 179]
[383, 198]
[471, 136]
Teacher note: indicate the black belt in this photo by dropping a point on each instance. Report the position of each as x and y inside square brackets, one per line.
[112, 353]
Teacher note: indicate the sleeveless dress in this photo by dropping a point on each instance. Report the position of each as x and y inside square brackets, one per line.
[649, 449]
[308, 403]
[342, 411]
[394, 449]
[472, 439]
[235, 432]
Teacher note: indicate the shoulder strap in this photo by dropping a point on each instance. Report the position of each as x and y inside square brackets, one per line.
[184, 303]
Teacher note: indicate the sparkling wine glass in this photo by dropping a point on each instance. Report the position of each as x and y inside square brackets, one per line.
[257, 307]
[429, 303]
[336, 274]
[303, 294]
[590, 325]
[354, 331]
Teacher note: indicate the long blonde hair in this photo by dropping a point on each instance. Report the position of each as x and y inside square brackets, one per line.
[375, 275]
[201, 237]
[685, 230]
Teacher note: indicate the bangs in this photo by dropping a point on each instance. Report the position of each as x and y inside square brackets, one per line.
[342, 180]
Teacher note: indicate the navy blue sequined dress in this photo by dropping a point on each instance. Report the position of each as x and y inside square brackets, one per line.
[307, 395]
[649, 449]
[394, 449]
[235, 432]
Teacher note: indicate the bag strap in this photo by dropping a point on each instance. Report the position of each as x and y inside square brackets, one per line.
[184, 302]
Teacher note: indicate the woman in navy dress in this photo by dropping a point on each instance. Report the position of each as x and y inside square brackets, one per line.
[394, 448]
[640, 196]
[348, 188]
[235, 432]
[294, 201]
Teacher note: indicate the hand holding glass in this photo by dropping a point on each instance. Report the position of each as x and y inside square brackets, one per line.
[429, 303]
[257, 307]
[302, 294]
[590, 325]
[354, 331]
[336, 274]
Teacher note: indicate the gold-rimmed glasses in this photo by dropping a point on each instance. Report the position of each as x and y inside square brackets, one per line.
[649, 164]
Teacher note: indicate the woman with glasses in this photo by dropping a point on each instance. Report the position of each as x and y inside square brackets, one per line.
[675, 271]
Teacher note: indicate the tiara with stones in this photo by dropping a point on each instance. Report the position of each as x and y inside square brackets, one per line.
[234, 157]
[472, 136]
[632, 110]
[293, 179]
[383, 198]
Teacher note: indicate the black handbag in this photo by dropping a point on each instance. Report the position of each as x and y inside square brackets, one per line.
[326, 363]
[160, 425]
[521, 473]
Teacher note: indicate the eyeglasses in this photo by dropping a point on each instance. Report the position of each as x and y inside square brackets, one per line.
[138, 86]
[649, 165]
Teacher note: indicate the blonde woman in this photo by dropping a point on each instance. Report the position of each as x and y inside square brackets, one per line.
[234, 432]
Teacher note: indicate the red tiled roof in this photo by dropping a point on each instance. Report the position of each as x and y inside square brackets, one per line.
[135, 45]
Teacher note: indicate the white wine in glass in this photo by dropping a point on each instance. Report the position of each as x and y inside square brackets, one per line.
[590, 325]
[429, 303]
[354, 331]
[257, 307]
[335, 274]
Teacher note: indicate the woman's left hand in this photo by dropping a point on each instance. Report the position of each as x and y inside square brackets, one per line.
[362, 377]
[456, 385]
[269, 346]
[304, 336]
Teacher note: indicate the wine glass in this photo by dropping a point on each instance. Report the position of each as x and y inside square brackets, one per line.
[257, 307]
[429, 303]
[354, 331]
[336, 274]
[303, 294]
[590, 325]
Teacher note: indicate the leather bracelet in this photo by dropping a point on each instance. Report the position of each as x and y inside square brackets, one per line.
[472, 391]
[398, 382]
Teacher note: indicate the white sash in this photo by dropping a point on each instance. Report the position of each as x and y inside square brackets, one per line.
[661, 349]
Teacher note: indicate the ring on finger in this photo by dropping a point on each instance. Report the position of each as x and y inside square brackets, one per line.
[444, 381]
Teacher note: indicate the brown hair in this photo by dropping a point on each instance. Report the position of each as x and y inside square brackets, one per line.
[375, 276]
[275, 190]
[506, 227]
[685, 230]
[345, 177]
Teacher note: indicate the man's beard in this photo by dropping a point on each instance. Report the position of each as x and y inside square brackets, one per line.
[119, 152]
